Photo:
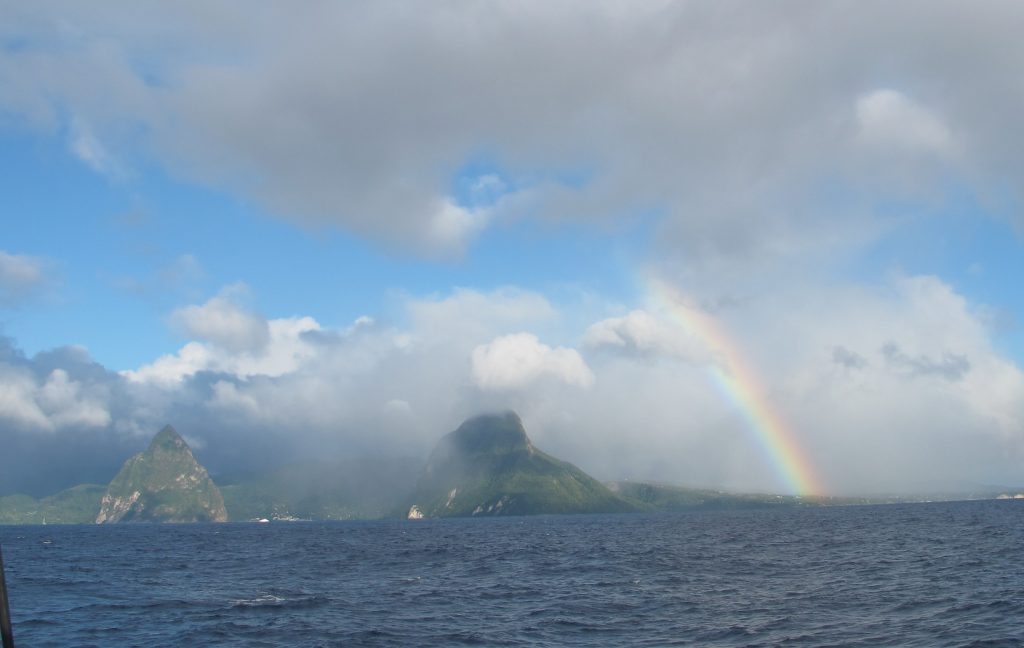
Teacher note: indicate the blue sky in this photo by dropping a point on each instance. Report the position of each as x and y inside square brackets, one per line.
[130, 250]
[352, 228]
[123, 253]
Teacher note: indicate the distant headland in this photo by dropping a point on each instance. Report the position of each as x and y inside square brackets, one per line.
[488, 466]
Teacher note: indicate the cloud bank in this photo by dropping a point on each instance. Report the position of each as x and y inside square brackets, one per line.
[891, 388]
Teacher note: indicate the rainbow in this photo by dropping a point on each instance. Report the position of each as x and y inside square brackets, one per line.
[740, 384]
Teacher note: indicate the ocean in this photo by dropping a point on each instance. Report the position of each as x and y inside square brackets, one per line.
[942, 574]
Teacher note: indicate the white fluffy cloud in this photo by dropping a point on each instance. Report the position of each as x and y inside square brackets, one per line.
[283, 350]
[224, 323]
[640, 332]
[896, 387]
[890, 388]
[917, 387]
[55, 403]
[917, 395]
[518, 360]
[17, 399]
[66, 405]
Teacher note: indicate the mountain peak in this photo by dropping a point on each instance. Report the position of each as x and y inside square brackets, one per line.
[488, 466]
[167, 439]
[491, 433]
[163, 484]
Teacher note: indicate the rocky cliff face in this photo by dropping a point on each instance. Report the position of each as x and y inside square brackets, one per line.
[488, 466]
[163, 484]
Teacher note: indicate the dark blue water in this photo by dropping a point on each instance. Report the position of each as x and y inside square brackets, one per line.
[918, 575]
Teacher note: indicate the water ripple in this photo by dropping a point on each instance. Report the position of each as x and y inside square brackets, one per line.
[915, 575]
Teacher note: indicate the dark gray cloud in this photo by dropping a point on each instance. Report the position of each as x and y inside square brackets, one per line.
[57, 420]
[725, 118]
[848, 359]
[950, 366]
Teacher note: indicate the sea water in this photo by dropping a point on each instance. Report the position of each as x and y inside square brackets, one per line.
[944, 574]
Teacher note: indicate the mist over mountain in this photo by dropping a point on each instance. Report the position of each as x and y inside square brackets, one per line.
[488, 466]
[380, 390]
[338, 488]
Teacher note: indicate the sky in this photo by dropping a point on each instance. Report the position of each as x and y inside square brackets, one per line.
[755, 246]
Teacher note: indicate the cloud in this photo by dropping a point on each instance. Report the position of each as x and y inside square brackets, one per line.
[874, 427]
[227, 396]
[284, 348]
[890, 121]
[17, 399]
[909, 418]
[452, 226]
[34, 402]
[173, 368]
[87, 148]
[64, 420]
[763, 143]
[310, 391]
[471, 316]
[21, 276]
[723, 126]
[639, 332]
[951, 366]
[68, 406]
[224, 323]
[848, 359]
[515, 361]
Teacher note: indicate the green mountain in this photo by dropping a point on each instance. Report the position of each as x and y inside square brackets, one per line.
[488, 466]
[163, 484]
[76, 505]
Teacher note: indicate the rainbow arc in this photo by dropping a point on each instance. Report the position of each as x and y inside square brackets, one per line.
[740, 384]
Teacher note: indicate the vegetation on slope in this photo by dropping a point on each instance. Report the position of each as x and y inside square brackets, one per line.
[163, 484]
[76, 505]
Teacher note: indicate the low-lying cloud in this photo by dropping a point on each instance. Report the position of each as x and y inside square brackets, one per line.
[897, 388]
